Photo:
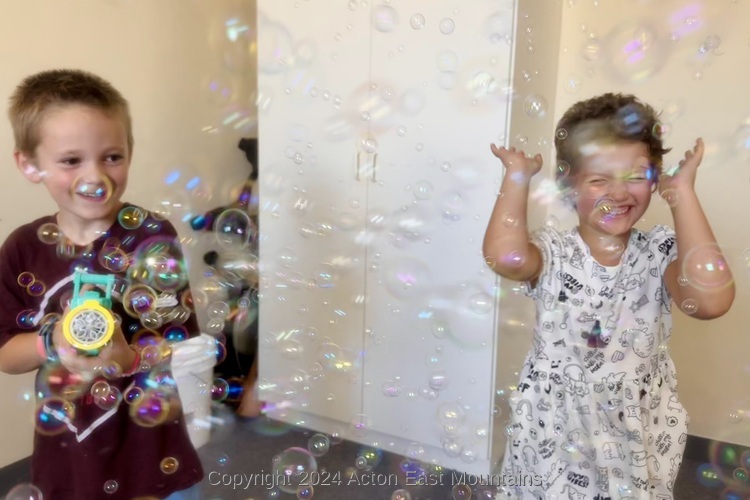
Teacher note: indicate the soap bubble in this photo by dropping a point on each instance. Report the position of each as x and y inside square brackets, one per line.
[407, 277]
[706, 268]
[234, 228]
[385, 18]
[24, 491]
[535, 106]
[417, 21]
[447, 26]
[319, 444]
[294, 465]
[49, 233]
[634, 52]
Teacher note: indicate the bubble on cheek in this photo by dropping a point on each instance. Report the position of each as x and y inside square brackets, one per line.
[96, 191]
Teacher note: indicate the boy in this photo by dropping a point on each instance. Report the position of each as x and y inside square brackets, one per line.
[109, 425]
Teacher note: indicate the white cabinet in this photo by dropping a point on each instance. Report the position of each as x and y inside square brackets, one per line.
[376, 185]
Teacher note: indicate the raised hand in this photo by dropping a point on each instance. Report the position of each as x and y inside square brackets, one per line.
[517, 162]
[683, 176]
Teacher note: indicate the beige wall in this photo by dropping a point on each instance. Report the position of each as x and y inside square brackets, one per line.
[711, 357]
[159, 54]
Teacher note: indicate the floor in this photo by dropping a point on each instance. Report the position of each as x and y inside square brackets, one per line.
[247, 447]
[243, 449]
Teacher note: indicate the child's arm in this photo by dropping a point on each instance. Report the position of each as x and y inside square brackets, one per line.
[507, 248]
[20, 354]
[696, 245]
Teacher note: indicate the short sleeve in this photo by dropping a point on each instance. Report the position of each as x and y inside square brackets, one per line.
[663, 245]
[11, 300]
[545, 239]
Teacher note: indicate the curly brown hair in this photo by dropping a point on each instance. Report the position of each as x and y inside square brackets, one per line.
[609, 117]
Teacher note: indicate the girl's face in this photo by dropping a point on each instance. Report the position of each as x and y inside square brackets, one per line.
[612, 187]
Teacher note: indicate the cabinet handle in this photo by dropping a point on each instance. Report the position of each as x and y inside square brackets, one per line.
[374, 167]
[356, 166]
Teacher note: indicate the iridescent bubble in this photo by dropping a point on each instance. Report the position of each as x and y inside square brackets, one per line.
[451, 414]
[305, 491]
[368, 458]
[275, 48]
[384, 18]
[218, 309]
[671, 197]
[49, 233]
[319, 444]
[218, 89]
[114, 259]
[139, 299]
[535, 106]
[438, 380]
[25, 279]
[407, 277]
[634, 52]
[572, 84]
[709, 475]
[131, 217]
[151, 409]
[36, 289]
[295, 465]
[447, 26]
[417, 21]
[52, 416]
[359, 425]
[391, 389]
[132, 394]
[706, 268]
[25, 319]
[561, 134]
[219, 390]
[234, 228]
[401, 494]
[110, 487]
[461, 491]
[689, 306]
[169, 465]
[158, 262]
[593, 49]
[92, 191]
[481, 303]
[24, 491]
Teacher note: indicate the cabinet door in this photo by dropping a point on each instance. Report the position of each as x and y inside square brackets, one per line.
[313, 72]
[431, 313]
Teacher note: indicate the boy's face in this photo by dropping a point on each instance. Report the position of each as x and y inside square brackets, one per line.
[613, 184]
[83, 161]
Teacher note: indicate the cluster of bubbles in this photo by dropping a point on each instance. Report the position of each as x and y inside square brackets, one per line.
[727, 471]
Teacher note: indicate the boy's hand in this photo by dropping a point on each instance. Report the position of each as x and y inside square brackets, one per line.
[683, 176]
[88, 367]
[516, 162]
[117, 350]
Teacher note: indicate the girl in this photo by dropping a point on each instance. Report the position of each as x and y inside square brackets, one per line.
[596, 413]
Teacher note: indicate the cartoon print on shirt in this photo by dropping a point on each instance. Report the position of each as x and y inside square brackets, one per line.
[614, 404]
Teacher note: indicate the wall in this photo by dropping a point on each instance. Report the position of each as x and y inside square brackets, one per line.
[700, 93]
[535, 60]
[163, 56]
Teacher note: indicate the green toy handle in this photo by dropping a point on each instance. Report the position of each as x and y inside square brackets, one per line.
[107, 281]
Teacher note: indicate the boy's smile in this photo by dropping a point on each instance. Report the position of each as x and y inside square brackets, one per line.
[83, 161]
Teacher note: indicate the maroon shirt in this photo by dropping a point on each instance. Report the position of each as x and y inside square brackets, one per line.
[99, 451]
